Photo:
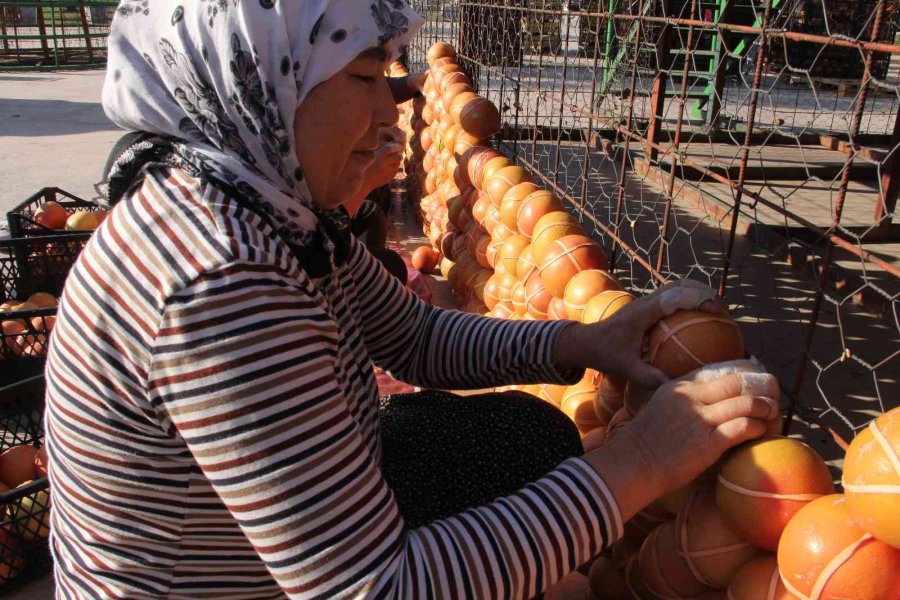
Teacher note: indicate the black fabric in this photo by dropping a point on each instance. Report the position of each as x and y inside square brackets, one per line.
[444, 453]
[136, 152]
[392, 262]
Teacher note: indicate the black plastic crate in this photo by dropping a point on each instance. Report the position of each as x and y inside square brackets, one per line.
[29, 265]
[24, 510]
[20, 218]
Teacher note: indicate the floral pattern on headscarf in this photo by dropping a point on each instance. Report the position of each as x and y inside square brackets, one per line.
[223, 79]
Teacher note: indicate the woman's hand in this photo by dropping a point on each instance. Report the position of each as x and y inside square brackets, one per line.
[685, 428]
[615, 345]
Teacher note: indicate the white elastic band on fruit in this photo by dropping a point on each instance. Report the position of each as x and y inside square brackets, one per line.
[758, 494]
[830, 569]
[686, 553]
[659, 575]
[672, 331]
[836, 563]
[886, 446]
[773, 584]
[871, 489]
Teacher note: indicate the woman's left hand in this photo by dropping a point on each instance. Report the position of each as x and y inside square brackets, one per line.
[615, 345]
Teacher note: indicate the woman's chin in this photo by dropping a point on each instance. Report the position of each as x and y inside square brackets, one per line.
[343, 189]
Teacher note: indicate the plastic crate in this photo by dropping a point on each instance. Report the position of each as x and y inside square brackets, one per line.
[29, 265]
[25, 510]
[20, 218]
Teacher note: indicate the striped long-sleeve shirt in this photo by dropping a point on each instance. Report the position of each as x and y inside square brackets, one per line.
[213, 429]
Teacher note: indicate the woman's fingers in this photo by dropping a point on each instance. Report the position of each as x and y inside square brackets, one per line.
[739, 407]
[714, 371]
[730, 386]
[737, 431]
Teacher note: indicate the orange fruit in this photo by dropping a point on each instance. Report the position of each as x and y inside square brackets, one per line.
[17, 465]
[689, 339]
[549, 228]
[533, 207]
[605, 305]
[503, 180]
[583, 287]
[712, 550]
[566, 257]
[872, 478]
[825, 554]
[480, 118]
[578, 404]
[758, 580]
[763, 483]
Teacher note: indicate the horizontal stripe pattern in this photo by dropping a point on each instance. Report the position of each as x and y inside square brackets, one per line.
[213, 429]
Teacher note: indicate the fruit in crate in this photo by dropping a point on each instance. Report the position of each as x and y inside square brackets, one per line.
[43, 300]
[52, 215]
[872, 478]
[30, 515]
[762, 484]
[17, 465]
[825, 554]
[690, 339]
[11, 560]
[40, 463]
[82, 220]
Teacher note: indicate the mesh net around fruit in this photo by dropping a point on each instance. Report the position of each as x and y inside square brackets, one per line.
[750, 145]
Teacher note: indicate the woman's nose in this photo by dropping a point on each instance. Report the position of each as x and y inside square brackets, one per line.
[386, 113]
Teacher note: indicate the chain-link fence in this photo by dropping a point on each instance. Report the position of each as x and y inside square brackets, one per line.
[54, 34]
[750, 144]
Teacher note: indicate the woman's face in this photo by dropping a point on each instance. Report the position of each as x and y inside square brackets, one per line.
[336, 128]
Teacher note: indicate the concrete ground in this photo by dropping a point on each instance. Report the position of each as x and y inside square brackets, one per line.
[53, 132]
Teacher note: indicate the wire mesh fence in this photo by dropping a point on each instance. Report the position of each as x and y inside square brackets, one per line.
[54, 34]
[749, 144]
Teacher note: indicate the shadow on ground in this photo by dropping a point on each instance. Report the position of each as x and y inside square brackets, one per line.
[38, 118]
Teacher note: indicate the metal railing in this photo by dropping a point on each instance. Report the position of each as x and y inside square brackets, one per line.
[54, 34]
[750, 144]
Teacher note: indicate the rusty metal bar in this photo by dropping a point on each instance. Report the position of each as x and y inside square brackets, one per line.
[748, 29]
[563, 194]
[822, 233]
[836, 219]
[586, 160]
[670, 185]
[620, 196]
[562, 93]
[660, 82]
[745, 151]
[890, 181]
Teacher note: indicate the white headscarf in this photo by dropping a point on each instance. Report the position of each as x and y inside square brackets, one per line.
[224, 78]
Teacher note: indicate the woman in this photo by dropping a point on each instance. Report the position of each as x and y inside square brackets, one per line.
[212, 417]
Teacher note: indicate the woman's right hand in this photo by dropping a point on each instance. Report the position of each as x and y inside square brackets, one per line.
[685, 428]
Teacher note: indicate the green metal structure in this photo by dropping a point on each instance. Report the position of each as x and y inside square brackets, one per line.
[54, 34]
